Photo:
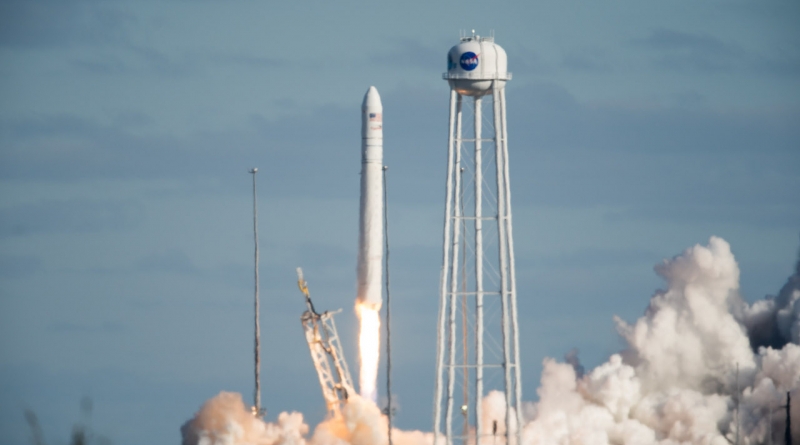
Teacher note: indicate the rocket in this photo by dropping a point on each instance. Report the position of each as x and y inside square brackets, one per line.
[370, 233]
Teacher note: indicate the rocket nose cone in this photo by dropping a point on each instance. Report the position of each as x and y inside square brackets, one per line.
[372, 99]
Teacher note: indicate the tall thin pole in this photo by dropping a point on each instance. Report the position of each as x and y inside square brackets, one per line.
[787, 438]
[257, 345]
[388, 309]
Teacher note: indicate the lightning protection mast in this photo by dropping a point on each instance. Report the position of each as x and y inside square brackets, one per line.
[483, 355]
[258, 411]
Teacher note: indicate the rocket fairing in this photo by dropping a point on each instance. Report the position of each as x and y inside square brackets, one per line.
[370, 233]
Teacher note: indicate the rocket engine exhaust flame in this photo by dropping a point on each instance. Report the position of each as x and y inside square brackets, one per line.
[369, 344]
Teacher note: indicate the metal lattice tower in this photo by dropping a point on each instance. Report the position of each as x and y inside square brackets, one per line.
[326, 353]
[478, 337]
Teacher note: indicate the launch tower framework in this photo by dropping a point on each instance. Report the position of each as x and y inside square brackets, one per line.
[326, 353]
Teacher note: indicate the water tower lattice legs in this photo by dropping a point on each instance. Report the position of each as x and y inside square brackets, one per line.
[479, 226]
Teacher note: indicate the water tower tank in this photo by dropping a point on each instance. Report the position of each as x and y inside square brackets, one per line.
[474, 63]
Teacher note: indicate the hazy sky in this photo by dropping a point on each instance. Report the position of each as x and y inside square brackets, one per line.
[636, 129]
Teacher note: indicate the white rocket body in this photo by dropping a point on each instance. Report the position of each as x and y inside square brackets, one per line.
[370, 234]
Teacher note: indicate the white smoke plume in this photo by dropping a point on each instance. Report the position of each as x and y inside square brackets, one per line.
[676, 381]
[224, 420]
[775, 321]
[674, 384]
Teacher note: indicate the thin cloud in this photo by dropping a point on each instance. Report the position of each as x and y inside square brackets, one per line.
[248, 60]
[702, 52]
[68, 327]
[13, 266]
[410, 53]
[785, 66]
[317, 154]
[588, 60]
[55, 23]
[775, 216]
[667, 39]
[69, 216]
[676, 50]
[548, 116]
[171, 262]
[597, 258]
[140, 59]
[165, 65]
[100, 66]
[528, 63]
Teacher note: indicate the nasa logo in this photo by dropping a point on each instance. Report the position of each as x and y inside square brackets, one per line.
[469, 61]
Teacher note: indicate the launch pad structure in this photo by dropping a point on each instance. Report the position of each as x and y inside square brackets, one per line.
[326, 353]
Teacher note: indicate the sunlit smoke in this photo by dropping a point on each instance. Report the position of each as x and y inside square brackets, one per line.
[674, 383]
[224, 420]
[688, 360]
[369, 342]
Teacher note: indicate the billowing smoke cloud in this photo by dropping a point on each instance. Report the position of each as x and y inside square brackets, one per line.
[775, 321]
[675, 382]
[224, 420]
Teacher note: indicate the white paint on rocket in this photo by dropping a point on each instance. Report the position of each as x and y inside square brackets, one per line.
[370, 234]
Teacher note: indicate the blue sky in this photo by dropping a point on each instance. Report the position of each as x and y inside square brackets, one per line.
[636, 129]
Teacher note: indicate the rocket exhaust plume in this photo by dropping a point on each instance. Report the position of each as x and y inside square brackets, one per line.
[369, 350]
[370, 243]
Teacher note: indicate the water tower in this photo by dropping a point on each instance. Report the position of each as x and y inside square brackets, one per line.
[478, 341]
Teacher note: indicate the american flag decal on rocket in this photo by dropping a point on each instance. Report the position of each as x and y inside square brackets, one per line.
[376, 117]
